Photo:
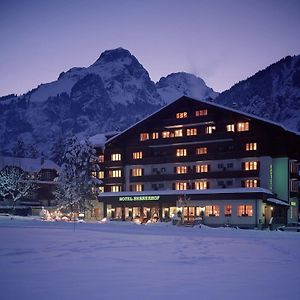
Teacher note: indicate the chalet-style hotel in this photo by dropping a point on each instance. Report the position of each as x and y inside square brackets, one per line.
[203, 160]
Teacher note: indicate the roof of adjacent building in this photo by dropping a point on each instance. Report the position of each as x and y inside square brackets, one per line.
[28, 164]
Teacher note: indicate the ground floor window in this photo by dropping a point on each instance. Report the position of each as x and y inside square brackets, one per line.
[212, 211]
[228, 210]
[245, 211]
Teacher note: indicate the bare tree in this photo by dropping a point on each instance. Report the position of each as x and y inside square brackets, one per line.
[14, 185]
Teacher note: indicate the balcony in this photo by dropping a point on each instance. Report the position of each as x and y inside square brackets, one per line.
[195, 176]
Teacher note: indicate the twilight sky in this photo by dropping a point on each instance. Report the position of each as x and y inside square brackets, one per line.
[221, 41]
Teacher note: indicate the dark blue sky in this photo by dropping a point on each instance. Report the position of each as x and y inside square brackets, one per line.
[221, 41]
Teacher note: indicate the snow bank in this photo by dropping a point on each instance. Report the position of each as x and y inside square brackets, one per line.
[48, 260]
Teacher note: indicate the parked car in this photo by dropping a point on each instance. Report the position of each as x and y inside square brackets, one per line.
[295, 226]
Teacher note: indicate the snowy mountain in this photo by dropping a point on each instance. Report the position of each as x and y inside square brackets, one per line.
[111, 94]
[273, 93]
[176, 85]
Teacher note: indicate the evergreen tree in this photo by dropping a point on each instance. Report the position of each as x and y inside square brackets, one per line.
[76, 185]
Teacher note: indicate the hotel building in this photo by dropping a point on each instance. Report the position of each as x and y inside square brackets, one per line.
[205, 160]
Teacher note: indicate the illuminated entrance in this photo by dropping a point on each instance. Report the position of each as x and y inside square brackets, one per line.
[189, 213]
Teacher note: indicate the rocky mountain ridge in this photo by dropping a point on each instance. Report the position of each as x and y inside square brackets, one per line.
[111, 94]
[273, 93]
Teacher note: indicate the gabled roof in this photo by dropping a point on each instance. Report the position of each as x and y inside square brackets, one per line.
[184, 98]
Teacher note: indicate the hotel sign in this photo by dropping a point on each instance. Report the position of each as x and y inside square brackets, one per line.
[139, 198]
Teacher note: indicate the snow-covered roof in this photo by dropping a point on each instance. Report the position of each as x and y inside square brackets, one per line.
[212, 104]
[100, 139]
[277, 201]
[189, 192]
[28, 164]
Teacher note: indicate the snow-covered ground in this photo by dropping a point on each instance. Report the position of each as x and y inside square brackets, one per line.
[48, 260]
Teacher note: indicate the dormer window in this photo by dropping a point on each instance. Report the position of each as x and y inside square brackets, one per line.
[181, 115]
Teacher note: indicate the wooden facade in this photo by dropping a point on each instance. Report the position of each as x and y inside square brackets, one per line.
[189, 149]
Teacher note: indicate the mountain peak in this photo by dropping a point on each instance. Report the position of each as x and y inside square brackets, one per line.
[180, 84]
[114, 55]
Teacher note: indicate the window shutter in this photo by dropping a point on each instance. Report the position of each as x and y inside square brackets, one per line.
[173, 186]
[208, 168]
[243, 165]
[243, 183]
[208, 184]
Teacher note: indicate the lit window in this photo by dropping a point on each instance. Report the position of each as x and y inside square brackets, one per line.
[210, 129]
[115, 188]
[144, 136]
[115, 173]
[181, 152]
[137, 155]
[137, 172]
[201, 150]
[251, 146]
[181, 170]
[166, 134]
[201, 168]
[228, 210]
[101, 174]
[201, 185]
[212, 210]
[137, 187]
[178, 133]
[244, 211]
[155, 135]
[251, 165]
[191, 131]
[251, 183]
[116, 157]
[94, 174]
[243, 126]
[179, 186]
[101, 158]
[101, 189]
[181, 115]
[230, 127]
[201, 112]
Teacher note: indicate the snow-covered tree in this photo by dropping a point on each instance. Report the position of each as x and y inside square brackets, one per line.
[77, 186]
[14, 185]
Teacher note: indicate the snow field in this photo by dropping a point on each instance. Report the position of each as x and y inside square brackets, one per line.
[118, 260]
